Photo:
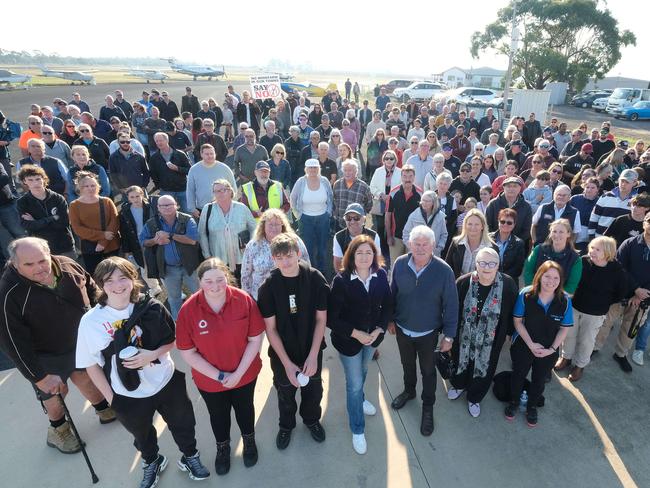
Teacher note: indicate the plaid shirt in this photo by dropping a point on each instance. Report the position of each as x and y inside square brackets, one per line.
[359, 192]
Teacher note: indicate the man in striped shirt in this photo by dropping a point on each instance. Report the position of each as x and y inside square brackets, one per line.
[613, 203]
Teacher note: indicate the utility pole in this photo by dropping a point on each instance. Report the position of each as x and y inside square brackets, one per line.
[513, 48]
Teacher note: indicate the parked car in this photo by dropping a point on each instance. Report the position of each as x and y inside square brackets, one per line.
[600, 104]
[585, 100]
[467, 93]
[392, 84]
[640, 110]
[498, 102]
[418, 90]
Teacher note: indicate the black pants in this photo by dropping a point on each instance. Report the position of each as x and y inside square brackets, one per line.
[175, 407]
[310, 395]
[476, 388]
[523, 361]
[92, 260]
[421, 348]
[219, 405]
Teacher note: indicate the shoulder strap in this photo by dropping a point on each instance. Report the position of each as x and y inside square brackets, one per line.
[102, 214]
[207, 224]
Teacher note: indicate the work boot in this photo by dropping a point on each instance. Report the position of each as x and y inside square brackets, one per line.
[222, 461]
[426, 426]
[106, 416]
[250, 450]
[63, 439]
[401, 399]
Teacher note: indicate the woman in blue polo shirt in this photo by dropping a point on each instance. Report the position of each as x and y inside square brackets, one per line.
[542, 314]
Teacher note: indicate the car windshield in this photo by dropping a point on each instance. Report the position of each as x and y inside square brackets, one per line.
[622, 93]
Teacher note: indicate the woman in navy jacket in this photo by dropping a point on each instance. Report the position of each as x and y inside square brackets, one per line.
[360, 306]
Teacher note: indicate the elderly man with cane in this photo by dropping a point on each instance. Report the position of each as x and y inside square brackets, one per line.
[43, 298]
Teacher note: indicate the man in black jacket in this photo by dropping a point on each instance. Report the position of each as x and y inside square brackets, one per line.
[168, 108]
[53, 167]
[43, 299]
[127, 167]
[168, 168]
[189, 102]
[511, 197]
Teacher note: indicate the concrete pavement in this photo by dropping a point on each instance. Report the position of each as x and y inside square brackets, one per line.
[593, 433]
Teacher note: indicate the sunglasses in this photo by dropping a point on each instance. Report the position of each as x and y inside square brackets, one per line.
[537, 162]
[125, 142]
[280, 153]
[465, 171]
[506, 222]
[389, 158]
[478, 149]
[353, 218]
[84, 130]
[34, 123]
[47, 133]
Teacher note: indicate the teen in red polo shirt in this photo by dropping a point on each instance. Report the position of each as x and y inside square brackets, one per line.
[219, 333]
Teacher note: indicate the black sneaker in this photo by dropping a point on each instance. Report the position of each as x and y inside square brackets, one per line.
[222, 461]
[194, 467]
[426, 426]
[401, 399]
[623, 363]
[250, 450]
[531, 417]
[510, 411]
[152, 472]
[317, 431]
[283, 438]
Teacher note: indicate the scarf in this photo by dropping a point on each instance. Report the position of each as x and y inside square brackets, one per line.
[478, 331]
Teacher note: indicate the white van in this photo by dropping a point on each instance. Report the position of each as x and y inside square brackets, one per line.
[626, 97]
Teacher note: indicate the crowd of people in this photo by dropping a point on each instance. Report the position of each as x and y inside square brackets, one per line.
[286, 217]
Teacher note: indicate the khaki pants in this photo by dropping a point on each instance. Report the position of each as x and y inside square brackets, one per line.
[623, 342]
[396, 250]
[579, 342]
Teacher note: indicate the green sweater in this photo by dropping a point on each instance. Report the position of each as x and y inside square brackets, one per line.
[571, 279]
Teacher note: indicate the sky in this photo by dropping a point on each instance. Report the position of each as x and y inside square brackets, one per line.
[356, 36]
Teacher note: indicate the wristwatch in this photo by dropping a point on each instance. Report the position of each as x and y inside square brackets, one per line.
[221, 376]
[171, 236]
[449, 339]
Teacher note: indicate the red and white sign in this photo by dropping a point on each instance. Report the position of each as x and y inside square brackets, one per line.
[265, 86]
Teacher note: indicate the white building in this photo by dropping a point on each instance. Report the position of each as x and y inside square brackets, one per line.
[480, 77]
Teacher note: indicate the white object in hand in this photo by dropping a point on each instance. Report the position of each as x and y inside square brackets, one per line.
[302, 379]
[128, 352]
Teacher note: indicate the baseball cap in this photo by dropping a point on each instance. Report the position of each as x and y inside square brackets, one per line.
[447, 147]
[629, 175]
[623, 144]
[513, 179]
[355, 208]
[263, 165]
[587, 148]
[312, 163]
[517, 143]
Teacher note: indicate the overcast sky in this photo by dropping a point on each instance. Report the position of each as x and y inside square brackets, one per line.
[342, 35]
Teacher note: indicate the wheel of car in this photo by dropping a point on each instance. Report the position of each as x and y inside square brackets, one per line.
[634, 116]
[598, 110]
[584, 104]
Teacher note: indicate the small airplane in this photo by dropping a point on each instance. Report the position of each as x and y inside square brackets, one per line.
[83, 77]
[311, 89]
[148, 74]
[9, 79]
[195, 70]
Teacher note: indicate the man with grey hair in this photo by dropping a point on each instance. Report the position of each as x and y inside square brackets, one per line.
[168, 168]
[422, 162]
[559, 208]
[271, 138]
[426, 303]
[328, 167]
[44, 298]
[55, 147]
[350, 189]
[247, 156]
[111, 110]
[53, 167]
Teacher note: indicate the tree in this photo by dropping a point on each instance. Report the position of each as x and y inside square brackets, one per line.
[560, 40]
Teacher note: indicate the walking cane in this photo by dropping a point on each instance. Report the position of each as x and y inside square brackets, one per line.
[93, 475]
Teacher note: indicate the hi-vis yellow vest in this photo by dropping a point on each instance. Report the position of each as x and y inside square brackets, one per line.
[274, 194]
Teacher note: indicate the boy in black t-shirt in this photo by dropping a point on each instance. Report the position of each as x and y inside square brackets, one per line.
[293, 301]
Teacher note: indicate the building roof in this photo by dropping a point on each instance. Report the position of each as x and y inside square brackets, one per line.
[482, 71]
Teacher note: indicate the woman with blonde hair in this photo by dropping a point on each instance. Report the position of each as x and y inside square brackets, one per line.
[558, 247]
[257, 261]
[602, 283]
[280, 167]
[464, 248]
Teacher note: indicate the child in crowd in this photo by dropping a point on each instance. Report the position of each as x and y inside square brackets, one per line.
[539, 192]
[470, 203]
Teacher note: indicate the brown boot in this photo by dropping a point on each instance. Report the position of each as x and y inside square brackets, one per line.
[562, 363]
[63, 439]
[106, 416]
[576, 374]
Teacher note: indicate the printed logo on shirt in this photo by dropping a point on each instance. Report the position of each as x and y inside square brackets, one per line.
[203, 324]
[557, 318]
[549, 217]
[55, 211]
[293, 307]
[135, 336]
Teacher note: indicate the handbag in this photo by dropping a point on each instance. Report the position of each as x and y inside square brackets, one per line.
[89, 247]
[445, 364]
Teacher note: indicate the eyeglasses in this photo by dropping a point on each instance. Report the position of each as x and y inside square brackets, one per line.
[35, 123]
[84, 130]
[465, 171]
[47, 133]
[537, 162]
[353, 218]
[506, 222]
[335, 135]
[487, 264]
[220, 190]
[163, 205]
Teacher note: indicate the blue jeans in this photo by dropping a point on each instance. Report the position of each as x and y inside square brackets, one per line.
[315, 232]
[10, 227]
[642, 336]
[174, 278]
[356, 369]
[180, 198]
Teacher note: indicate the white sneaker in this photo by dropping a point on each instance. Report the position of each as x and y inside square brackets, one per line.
[359, 443]
[637, 357]
[474, 409]
[453, 393]
[368, 408]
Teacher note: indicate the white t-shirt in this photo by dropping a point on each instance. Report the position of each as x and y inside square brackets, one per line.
[314, 202]
[96, 332]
